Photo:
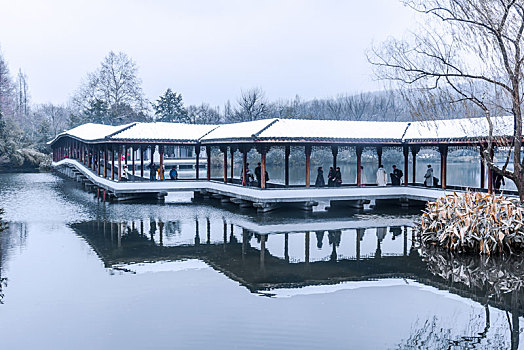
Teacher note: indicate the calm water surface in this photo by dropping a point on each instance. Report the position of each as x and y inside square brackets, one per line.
[80, 274]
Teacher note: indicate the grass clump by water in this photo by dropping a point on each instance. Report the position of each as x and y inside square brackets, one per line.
[473, 223]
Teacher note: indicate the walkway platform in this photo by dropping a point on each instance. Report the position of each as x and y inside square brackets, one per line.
[263, 200]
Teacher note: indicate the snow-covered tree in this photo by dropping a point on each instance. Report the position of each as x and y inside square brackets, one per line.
[170, 108]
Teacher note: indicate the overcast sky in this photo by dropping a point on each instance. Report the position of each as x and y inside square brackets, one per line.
[208, 50]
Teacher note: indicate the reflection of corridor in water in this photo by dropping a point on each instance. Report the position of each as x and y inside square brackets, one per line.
[263, 263]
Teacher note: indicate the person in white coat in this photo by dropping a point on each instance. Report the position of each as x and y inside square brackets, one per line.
[428, 177]
[382, 177]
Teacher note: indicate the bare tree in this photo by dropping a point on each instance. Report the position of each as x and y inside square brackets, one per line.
[116, 83]
[470, 52]
[252, 105]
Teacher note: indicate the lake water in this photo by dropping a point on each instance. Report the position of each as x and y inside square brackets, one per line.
[80, 274]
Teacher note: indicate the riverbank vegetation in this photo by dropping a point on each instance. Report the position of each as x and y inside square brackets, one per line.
[473, 223]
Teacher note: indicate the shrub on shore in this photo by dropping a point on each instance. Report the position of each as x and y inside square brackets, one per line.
[473, 223]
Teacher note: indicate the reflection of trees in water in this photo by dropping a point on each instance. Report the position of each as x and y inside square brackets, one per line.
[11, 236]
[497, 280]
[430, 334]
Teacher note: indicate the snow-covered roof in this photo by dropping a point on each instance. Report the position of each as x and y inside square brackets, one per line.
[90, 131]
[304, 130]
[238, 131]
[297, 130]
[164, 131]
[458, 129]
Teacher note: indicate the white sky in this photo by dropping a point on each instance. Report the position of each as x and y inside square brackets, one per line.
[208, 50]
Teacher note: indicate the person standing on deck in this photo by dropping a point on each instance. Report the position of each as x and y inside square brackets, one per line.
[331, 177]
[152, 171]
[382, 177]
[396, 175]
[428, 177]
[258, 174]
[338, 177]
[320, 178]
[173, 174]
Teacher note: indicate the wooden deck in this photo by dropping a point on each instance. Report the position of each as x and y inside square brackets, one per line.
[262, 199]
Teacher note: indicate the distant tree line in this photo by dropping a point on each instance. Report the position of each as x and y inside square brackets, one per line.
[112, 94]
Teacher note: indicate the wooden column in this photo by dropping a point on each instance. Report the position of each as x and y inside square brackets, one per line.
[334, 151]
[286, 165]
[197, 161]
[232, 151]
[308, 164]
[113, 162]
[106, 156]
[126, 149]
[306, 247]
[359, 164]
[119, 155]
[98, 159]
[414, 151]
[133, 160]
[379, 155]
[208, 154]
[244, 166]
[142, 153]
[223, 149]
[405, 150]
[263, 152]
[443, 163]
[490, 172]
[482, 168]
[161, 153]
[93, 158]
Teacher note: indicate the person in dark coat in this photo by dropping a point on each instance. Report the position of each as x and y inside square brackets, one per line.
[338, 177]
[320, 178]
[152, 171]
[396, 175]
[258, 174]
[331, 177]
[498, 180]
